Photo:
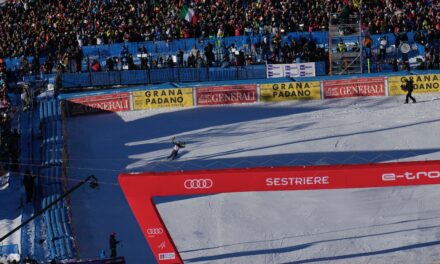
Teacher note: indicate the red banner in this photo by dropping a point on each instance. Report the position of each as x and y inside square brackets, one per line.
[354, 87]
[140, 188]
[221, 95]
[98, 104]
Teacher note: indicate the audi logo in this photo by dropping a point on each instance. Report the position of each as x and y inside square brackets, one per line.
[198, 184]
[155, 231]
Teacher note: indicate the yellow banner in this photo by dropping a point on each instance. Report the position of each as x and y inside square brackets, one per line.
[277, 92]
[422, 84]
[182, 97]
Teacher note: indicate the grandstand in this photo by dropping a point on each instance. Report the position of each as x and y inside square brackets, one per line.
[62, 60]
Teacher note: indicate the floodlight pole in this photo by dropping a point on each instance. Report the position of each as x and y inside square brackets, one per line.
[93, 184]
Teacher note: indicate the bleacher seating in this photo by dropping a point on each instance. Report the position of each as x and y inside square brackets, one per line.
[59, 236]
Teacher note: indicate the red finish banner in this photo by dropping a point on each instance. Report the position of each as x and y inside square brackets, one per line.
[140, 188]
[98, 104]
[354, 87]
[222, 95]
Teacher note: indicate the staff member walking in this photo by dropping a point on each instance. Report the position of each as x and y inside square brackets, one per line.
[409, 87]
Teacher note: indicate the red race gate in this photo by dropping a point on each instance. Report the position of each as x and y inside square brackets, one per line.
[140, 188]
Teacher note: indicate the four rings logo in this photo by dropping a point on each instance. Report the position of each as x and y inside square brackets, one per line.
[198, 184]
[155, 231]
[411, 176]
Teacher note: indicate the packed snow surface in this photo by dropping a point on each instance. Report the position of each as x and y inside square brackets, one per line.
[377, 225]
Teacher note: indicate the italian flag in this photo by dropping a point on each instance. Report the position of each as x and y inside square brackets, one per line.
[186, 13]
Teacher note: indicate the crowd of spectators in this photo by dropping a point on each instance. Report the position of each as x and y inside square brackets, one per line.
[41, 27]
[8, 137]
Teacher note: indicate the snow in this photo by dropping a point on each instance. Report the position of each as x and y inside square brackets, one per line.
[11, 213]
[388, 225]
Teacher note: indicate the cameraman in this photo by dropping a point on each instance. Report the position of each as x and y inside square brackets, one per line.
[409, 87]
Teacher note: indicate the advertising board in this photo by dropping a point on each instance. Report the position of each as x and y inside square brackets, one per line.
[354, 87]
[278, 92]
[140, 188]
[291, 70]
[98, 104]
[221, 95]
[428, 83]
[178, 97]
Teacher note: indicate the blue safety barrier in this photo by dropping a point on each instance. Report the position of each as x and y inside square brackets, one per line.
[133, 77]
[76, 80]
[154, 76]
[163, 75]
[105, 78]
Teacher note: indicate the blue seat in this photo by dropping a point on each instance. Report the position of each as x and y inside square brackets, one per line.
[52, 249]
[43, 133]
[57, 248]
[60, 132]
[67, 229]
[69, 248]
[8, 249]
[53, 224]
[64, 215]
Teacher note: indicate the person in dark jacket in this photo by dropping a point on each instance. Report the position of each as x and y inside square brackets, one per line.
[176, 146]
[28, 183]
[113, 243]
[409, 87]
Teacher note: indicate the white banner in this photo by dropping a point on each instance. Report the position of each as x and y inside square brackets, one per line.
[291, 70]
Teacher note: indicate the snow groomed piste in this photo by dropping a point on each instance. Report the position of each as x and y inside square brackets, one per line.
[140, 188]
[352, 131]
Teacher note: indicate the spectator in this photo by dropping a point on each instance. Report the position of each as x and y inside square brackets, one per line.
[130, 63]
[209, 54]
[48, 65]
[341, 46]
[191, 61]
[241, 60]
[96, 66]
[67, 25]
[28, 183]
[170, 62]
[265, 47]
[179, 56]
[109, 63]
[199, 60]
[78, 58]
[113, 244]
[143, 54]
[382, 48]
[395, 65]
[225, 62]
[276, 45]
[194, 51]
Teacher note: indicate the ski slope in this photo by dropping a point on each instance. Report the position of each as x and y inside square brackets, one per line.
[389, 225]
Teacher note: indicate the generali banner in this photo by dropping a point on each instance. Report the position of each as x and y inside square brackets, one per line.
[429, 83]
[222, 95]
[98, 104]
[179, 97]
[354, 88]
[140, 188]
